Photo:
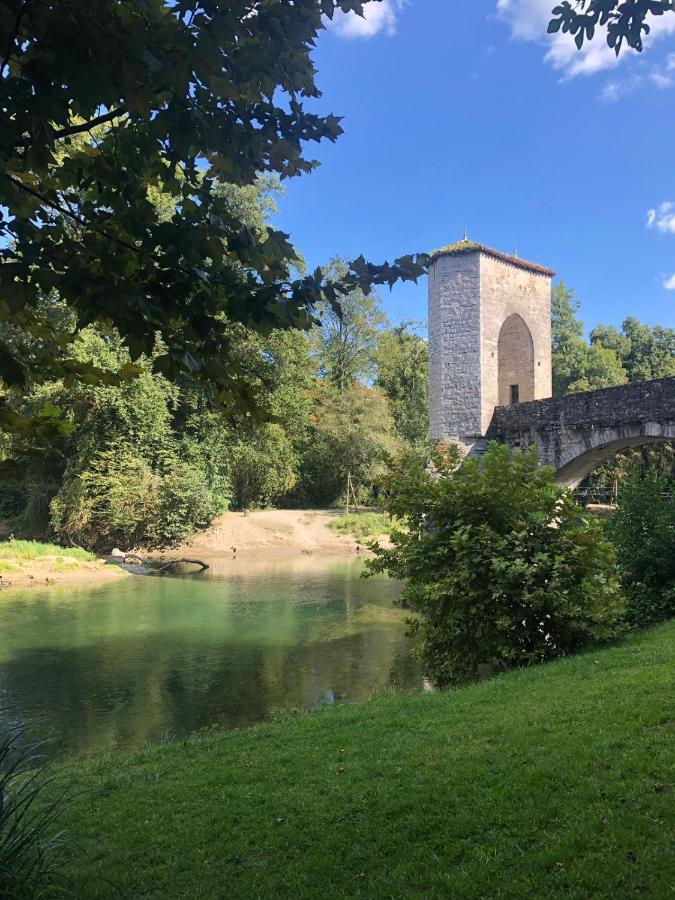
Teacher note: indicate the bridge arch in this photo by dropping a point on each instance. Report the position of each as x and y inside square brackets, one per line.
[576, 432]
[515, 362]
[603, 444]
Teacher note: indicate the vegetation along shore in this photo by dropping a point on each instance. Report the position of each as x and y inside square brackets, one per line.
[30, 563]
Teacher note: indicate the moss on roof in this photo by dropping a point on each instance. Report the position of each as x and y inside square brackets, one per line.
[467, 246]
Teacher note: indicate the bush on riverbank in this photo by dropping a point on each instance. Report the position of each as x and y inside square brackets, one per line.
[642, 530]
[554, 781]
[500, 565]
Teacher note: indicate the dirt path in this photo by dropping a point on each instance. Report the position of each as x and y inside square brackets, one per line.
[288, 531]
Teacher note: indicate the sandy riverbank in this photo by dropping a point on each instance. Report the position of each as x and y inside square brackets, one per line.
[262, 534]
[286, 531]
[56, 570]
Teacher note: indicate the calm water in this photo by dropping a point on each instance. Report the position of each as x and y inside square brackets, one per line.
[153, 658]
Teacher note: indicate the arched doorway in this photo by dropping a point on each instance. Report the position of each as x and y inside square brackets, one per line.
[515, 358]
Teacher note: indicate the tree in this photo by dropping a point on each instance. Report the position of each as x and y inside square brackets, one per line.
[634, 353]
[346, 341]
[402, 362]
[500, 567]
[644, 352]
[576, 365]
[104, 106]
[350, 433]
[626, 20]
[144, 463]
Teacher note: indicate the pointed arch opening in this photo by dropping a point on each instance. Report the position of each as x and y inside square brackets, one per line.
[515, 357]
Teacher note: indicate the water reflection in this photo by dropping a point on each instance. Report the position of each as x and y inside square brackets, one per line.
[148, 658]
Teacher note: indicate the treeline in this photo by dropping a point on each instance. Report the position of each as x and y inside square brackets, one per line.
[148, 461]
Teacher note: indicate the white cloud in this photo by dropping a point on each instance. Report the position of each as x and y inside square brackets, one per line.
[662, 218]
[661, 80]
[661, 77]
[378, 18]
[614, 90]
[669, 284]
[529, 20]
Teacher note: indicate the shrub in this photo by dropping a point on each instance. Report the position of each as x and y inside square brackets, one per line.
[29, 848]
[500, 565]
[117, 497]
[107, 502]
[643, 533]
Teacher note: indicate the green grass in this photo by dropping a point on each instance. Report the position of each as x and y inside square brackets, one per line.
[362, 525]
[553, 782]
[32, 550]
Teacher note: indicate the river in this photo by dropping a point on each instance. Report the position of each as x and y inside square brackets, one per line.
[147, 659]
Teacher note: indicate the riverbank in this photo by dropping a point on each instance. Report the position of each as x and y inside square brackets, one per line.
[287, 531]
[555, 781]
[30, 563]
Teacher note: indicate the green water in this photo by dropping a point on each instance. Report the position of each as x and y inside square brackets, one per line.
[149, 659]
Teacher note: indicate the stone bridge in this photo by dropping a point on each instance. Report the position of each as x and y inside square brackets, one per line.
[576, 432]
[490, 369]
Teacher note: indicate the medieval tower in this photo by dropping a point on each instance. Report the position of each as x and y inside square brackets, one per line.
[489, 338]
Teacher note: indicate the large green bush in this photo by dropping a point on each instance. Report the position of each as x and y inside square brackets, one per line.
[501, 567]
[119, 498]
[643, 532]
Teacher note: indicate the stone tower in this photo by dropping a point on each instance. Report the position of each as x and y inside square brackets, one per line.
[489, 338]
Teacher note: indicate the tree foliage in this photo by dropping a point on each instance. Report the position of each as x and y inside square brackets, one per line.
[643, 532]
[103, 107]
[350, 433]
[501, 567]
[578, 366]
[626, 20]
[633, 353]
[402, 364]
[346, 341]
[644, 352]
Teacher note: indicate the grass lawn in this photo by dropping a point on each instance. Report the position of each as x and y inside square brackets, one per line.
[552, 782]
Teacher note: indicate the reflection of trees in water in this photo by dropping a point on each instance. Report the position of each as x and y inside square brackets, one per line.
[115, 671]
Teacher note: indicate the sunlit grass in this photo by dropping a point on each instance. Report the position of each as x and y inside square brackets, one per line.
[362, 525]
[34, 550]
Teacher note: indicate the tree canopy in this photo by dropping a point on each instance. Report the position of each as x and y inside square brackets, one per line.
[104, 106]
[578, 366]
[626, 20]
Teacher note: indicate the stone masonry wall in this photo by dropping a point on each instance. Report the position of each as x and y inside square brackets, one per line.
[471, 295]
[454, 347]
[506, 290]
[576, 432]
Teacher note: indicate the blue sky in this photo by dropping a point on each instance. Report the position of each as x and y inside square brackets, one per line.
[466, 113]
